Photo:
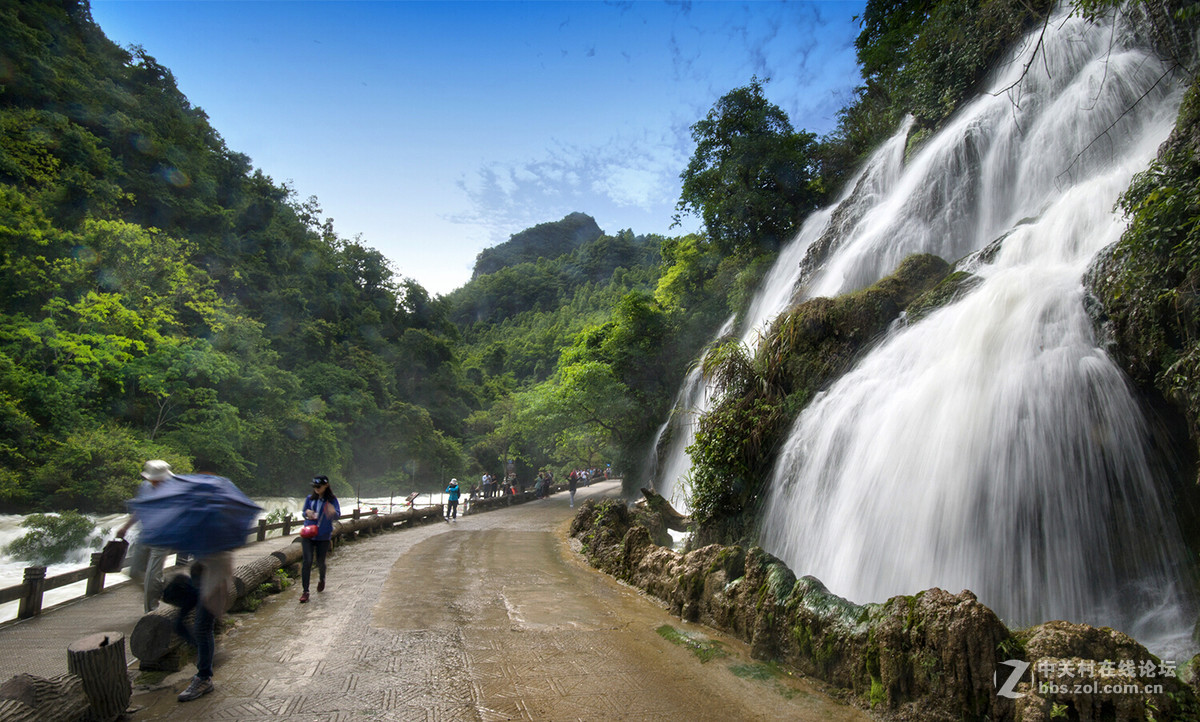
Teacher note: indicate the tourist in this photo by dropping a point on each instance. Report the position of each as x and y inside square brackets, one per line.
[146, 562]
[321, 508]
[212, 577]
[572, 484]
[452, 500]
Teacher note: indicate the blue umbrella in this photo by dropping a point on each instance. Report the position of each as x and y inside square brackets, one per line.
[195, 514]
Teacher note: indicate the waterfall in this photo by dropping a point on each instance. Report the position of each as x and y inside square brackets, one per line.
[669, 467]
[992, 446]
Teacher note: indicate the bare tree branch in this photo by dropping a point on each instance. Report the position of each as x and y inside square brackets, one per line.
[1113, 124]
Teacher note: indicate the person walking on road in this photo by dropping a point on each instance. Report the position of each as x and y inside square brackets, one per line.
[452, 500]
[212, 576]
[146, 562]
[572, 485]
[321, 508]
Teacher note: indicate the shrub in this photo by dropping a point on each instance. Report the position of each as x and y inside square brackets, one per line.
[52, 537]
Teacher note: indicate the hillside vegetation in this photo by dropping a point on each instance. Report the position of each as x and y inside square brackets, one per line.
[164, 298]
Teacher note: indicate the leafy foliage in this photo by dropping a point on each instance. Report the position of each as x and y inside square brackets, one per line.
[164, 299]
[752, 177]
[51, 537]
[1149, 285]
[920, 57]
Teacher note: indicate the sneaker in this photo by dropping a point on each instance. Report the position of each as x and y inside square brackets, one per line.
[304, 597]
[321, 585]
[198, 688]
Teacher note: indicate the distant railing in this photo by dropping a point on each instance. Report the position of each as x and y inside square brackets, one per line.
[35, 583]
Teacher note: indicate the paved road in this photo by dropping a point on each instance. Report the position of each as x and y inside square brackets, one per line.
[493, 617]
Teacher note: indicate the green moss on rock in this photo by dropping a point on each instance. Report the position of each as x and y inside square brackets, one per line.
[1147, 304]
[949, 290]
[807, 348]
[928, 656]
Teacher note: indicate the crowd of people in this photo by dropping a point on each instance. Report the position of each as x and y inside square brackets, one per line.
[491, 486]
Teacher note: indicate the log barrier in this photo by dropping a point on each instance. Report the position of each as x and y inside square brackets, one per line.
[27, 698]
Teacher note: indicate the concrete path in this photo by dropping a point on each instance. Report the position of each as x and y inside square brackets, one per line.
[493, 617]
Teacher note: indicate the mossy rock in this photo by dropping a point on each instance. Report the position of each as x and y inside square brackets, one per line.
[949, 290]
[807, 348]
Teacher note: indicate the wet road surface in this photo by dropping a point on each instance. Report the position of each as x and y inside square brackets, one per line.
[493, 617]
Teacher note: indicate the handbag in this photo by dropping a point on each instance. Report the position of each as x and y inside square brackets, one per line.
[309, 531]
[113, 556]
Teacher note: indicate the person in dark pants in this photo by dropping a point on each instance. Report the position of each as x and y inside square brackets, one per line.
[321, 508]
[452, 500]
[212, 578]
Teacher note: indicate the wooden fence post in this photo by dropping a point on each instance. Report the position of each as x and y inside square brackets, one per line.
[95, 582]
[262, 529]
[35, 586]
[287, 525]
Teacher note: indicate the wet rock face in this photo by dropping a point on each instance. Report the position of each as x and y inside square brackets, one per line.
[1143, 299]
[930, 656]
[1097, 674]
[941, 650]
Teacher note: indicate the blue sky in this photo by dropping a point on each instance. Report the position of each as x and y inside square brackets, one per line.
[434, 130]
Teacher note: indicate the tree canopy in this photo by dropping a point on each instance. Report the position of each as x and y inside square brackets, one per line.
[752, 177]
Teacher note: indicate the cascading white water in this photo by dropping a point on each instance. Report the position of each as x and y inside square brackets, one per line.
[992, 446]
[669, 469]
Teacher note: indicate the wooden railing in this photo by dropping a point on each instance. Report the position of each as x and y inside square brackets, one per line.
[260, 532]
[33, 587]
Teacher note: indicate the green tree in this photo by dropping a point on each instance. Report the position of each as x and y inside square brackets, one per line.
[51, 537]
[97, 469]
[752, 178]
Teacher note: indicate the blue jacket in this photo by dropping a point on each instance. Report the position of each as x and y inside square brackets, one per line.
[324, 523]
[454, 490]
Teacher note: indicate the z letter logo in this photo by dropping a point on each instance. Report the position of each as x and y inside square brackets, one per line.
[1009, 688]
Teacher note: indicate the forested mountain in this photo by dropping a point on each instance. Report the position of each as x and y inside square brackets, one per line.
[162, 298]
[545, 240]
[517, 319]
